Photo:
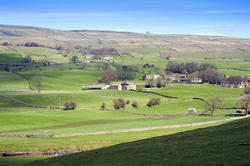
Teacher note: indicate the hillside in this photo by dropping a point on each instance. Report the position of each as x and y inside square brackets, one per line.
[176, 46]
[227, 144]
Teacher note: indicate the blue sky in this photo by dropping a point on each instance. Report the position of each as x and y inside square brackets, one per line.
[207, 17]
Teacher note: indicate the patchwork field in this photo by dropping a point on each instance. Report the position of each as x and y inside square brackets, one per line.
[163, 131]
[16, 119]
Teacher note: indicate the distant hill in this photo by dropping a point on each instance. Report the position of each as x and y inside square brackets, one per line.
[176, 46]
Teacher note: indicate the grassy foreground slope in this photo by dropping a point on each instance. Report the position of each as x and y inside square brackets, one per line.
[227, 144]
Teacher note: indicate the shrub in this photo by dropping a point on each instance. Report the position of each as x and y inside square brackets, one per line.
[153, 102]
[70, 106]
[66, 105]
[134, 104]
[27, 59]
[127, 102]
[103, 106]
[247, 90]
[73, 105]
[119, 103]
[5, 43]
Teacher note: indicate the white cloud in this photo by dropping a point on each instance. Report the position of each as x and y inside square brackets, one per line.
[208, 34]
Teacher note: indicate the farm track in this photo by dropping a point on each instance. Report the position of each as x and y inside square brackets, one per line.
[122, 130]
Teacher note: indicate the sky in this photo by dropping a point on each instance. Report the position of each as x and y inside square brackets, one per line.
[203, 17]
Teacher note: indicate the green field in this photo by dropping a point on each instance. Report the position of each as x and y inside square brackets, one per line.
[61, 81]
[220, 145]
[10, 58]
[16, 119]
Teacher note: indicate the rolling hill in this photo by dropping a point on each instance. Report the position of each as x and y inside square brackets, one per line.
[176, 46]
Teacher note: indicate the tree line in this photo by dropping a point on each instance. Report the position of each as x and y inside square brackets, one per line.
[207, 72]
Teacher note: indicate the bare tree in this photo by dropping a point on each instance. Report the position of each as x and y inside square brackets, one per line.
[211, 76]
[134, 104]
[151, 83]
[119, 103]
[108, 77]
[243, 102]
[247, 90]
[213, 103]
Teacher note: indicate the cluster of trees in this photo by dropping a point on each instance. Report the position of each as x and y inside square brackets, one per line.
[70, 105]
[212, 76]
[34, 44]
[243, 101]
[207, 72]
[31, 44]
[126, 73]
[123, 74]
[5, 44]
[188, 68]
[121, 103]
[108, 77]
[159, 82]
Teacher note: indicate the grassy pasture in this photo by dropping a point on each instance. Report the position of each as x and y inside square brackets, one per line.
[12, 81]
[219, 145]
[76, 143]
[57, 121]
[52, 80]
[10, 58]
[62, 83]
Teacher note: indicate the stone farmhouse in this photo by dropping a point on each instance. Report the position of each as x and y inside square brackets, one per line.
[124, 86]
[128, 86]
[95, 87]
[116, 87]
